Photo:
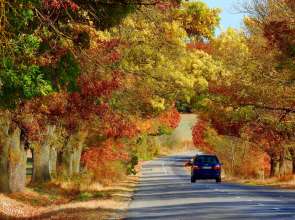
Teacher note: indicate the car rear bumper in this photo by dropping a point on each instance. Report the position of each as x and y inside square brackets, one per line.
[206, 175]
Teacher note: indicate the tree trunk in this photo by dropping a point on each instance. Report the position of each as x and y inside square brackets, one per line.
[71, 157]
[77, 158]
[282, 163]
[41, 172]
[53, 161]
[4, 177]
[12, 160]
[233, 158]
[41, 158]
[292, 152]
[67, 164]
[71, 161]
[273, 166]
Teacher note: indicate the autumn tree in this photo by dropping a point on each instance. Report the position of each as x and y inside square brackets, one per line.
[256, 91]
[38, 43]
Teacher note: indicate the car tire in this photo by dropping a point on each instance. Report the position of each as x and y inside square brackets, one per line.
[218, 180]
[193, 179]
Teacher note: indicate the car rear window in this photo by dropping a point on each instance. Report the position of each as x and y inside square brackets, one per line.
[207, 159]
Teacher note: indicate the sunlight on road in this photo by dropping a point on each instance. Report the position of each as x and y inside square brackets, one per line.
[165, 192]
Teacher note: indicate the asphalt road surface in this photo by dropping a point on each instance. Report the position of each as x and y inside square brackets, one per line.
[165, 192]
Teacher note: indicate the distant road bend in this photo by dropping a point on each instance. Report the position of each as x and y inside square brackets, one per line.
[165, 192]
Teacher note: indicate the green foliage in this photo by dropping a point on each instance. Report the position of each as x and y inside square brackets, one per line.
[243, 114]
[21, 82]
[111, 15]
[164, 130]
[26, 45]
[65, 74]
[86, 196]
[132, 164]
[183, 106]
[200, 102]
[146, 147]
[20, 78]
[68, 70]
[20, 15]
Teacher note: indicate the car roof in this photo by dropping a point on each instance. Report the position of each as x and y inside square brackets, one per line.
[212, 155]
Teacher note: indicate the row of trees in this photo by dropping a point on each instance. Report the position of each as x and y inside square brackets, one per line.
[254, 103]
[83, 81]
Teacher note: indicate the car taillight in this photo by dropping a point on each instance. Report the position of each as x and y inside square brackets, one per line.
[195, 167]
[217, 167]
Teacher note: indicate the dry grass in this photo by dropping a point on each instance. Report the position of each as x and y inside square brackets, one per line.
[285, 181]
[64, 200]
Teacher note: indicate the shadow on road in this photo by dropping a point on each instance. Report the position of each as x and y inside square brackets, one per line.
[165, 192]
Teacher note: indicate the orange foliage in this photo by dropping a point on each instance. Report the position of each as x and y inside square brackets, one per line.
[99, 155]
[116, 126]
[170, 118]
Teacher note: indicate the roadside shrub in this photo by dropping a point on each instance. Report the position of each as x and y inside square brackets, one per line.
[146, 147]
[239, 158]
[132, 164]
[107, 162]
[109, 172]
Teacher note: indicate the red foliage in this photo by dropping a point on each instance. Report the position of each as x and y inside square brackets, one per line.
[56, 105]
[32, 129]
[104, 53]
[232, 92]
[35, 114]
[60, 4]
[280, 34]
[108, 151]
[92, 87]
[198, 133]
[109, 52]
[164, 5]
[96, 85]
[219, 120]
[224, 127]
[206, 47]
[73, 108]
[291, 4]
[266, 136]
[115, 126]
[53, 56]
[88, 103]
[170, 118]
[220, 90]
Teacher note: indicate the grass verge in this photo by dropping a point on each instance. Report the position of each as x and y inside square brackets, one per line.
[284, 182]
[55, 201]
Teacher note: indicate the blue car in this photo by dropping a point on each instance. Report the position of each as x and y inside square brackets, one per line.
[205, 167]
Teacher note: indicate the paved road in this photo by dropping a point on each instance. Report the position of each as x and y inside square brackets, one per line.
[165, 192]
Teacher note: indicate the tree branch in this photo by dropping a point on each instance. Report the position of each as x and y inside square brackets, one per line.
[271, 108]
